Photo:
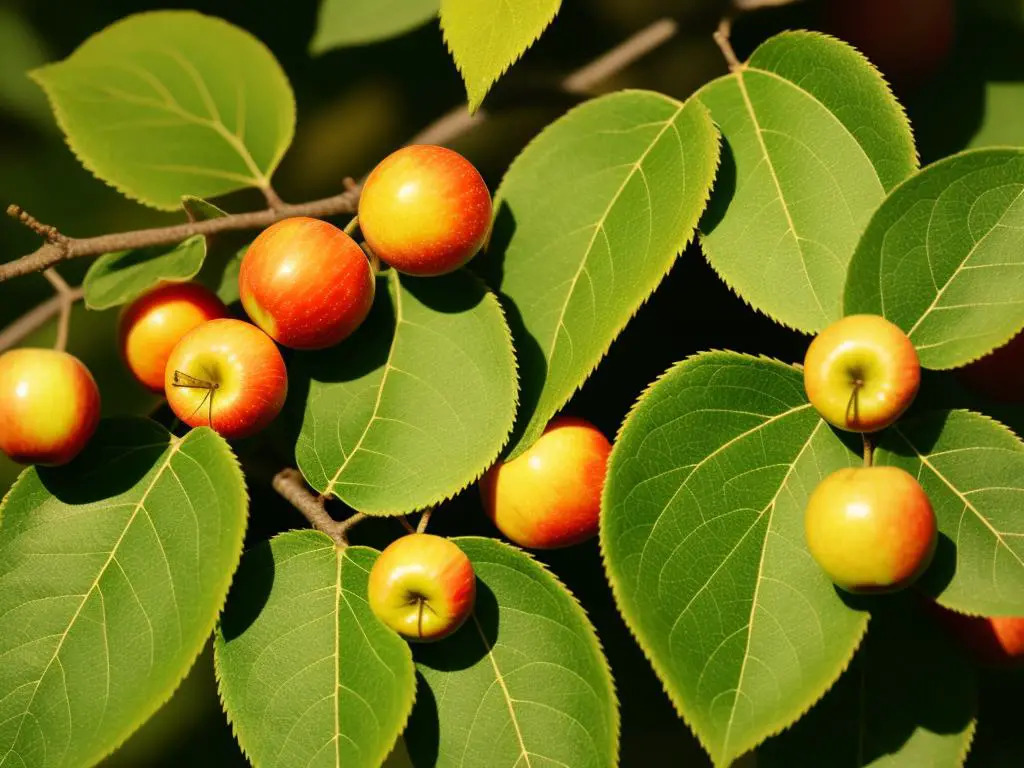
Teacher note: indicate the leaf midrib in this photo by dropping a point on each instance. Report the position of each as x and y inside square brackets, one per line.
[174, 445]
[505, 692]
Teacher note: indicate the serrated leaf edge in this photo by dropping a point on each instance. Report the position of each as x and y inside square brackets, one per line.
[474, 99]
[61, 117]
[218, 643]
[522, 444]
[780, 724]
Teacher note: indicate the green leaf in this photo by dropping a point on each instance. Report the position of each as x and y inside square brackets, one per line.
[201, 210]
[943, 258]
[168, 103]
[117, 278]
[356, 22]
[590, 218]
[703, 538]
[227, 288]
[973, 471]
[486, 37]
[112, 572]
[814, 141]
[908, 699]
[416, 404]
[523, 683]
[308, 675]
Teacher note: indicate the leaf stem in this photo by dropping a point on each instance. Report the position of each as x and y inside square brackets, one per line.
[722, 39]
[290, 484]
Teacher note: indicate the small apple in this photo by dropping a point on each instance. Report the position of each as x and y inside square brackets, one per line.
[999, 375]
[425, 210]
[226, 374]
[550, 495]
[871, 529]
[907, 39]
[991, 640]
[49, 406]
[151, 325]
[423, 587]
[861, 373]
[306, 283]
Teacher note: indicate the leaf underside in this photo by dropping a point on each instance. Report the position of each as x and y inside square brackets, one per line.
[357, 22]
[813, 141]
[702, 534]
[118, 278]
[523, 683]
[416, 404]
[307, 674]
[112, 572]
[170, 103]
[943, 258]
[590, 217]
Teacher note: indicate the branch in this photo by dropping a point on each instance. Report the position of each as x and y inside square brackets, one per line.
[721, 36]
[35, 319]
[451, 125]
[290, 484]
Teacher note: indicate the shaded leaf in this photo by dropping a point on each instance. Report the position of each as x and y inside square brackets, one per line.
[168, 103]
[973, 471]
[943, 258]
[416, 404]
[908, 699]
[112, 572]
[814, 141]
[308, 675]
[117, 278]
[703, 538]
[201, 210]
[355, 22]
[523, 683]
[486, 37]
[227, 287]
[590, 218]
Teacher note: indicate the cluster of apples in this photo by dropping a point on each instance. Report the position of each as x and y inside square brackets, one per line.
[873, 529]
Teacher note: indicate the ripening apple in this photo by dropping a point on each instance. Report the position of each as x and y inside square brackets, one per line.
[907, 39]
[991, 640]
[306, 283]
[226, 374]
[423, 587]
[550, 495]
[871, 529]
[425, 210]
[861, 373]
[154, 323]
[49, 406]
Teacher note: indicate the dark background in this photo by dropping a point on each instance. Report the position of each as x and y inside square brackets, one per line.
[356, 105]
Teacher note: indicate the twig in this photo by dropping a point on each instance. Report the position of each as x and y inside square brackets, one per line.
[721, 36]
[66, 297]
[290, 484]
[35, 319]
[421, 526]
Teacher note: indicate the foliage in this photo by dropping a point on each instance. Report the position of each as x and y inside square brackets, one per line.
[800, 172]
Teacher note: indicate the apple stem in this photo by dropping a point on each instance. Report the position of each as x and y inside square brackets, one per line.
[406, 524]
[291, 486]
[869, 449]
[66, 298]
[351, 226]
[421, 527]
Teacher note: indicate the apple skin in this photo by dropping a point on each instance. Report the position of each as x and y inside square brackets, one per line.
[996, 641]
[154, 323]
[871, 529]
[423, 587]
[550, 495]
[306, 283]
[49, 406]
[908, 40]
[425, 210]
[239, 378]
[866, 349]
[999, 375]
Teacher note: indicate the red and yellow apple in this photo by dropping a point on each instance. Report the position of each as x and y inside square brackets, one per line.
[871, 529]
[306, 283]
[907, 39]
[425, 210]
[226, 374]
[154, 323]
[991, 640]
[861, 373]
[550, 495]
[423, 587]
[49, 406]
